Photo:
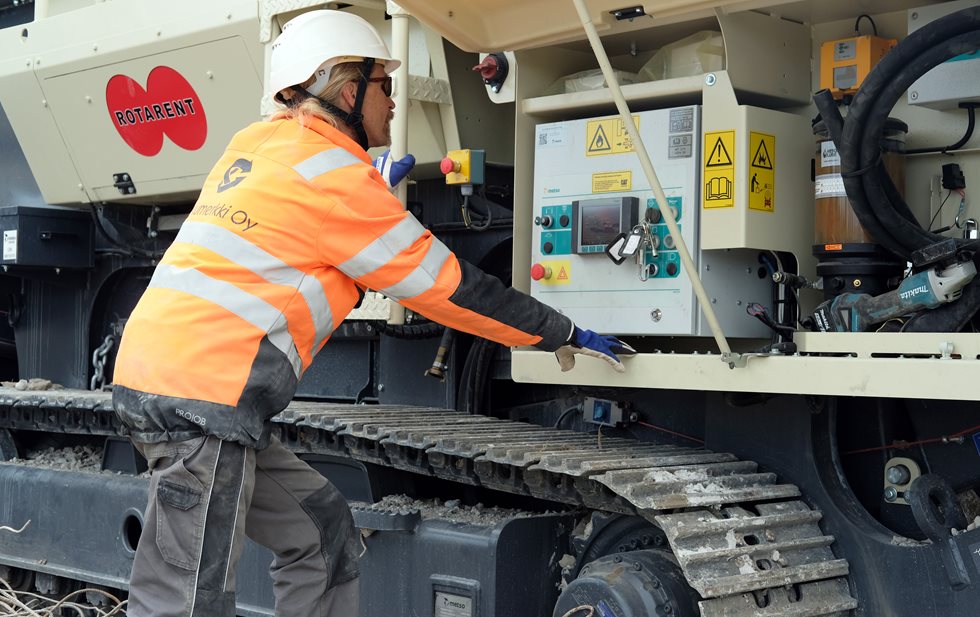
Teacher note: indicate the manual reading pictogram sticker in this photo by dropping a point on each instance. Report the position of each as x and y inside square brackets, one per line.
[762, 172]
[608, 136]
[719, 169]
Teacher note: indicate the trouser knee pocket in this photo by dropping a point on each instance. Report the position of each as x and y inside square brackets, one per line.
[180, 516]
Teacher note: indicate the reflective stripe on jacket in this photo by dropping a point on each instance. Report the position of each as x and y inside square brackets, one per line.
[289, 222]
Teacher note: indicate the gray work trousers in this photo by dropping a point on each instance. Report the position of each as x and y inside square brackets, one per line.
[206, 495]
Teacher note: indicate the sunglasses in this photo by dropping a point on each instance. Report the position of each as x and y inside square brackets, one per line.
[385, 82]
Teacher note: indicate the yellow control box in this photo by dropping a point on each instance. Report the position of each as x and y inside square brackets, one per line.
[845, 63]
[463, 166]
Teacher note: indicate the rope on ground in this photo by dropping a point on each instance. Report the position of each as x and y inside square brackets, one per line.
[575, 610]
[25, 604]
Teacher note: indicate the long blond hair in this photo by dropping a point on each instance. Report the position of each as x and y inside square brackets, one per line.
[303, 108]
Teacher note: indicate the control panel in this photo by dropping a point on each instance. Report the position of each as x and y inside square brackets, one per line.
[602, 253]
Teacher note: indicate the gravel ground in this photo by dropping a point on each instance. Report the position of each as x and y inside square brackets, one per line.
[77, 458]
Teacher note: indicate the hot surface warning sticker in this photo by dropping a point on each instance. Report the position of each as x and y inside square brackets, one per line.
[762, 172]
[719, 169]
[608, 136]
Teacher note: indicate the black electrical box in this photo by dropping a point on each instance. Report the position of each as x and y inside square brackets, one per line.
[39, 236]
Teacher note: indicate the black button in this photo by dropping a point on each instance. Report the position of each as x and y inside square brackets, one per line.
[548, 247]
[563, 220]
[653, 215]
[546, 221]
[671, 269]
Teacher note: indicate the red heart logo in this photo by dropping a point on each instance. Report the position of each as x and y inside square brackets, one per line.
[169, 106]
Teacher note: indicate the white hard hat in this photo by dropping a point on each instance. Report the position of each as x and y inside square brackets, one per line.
[316, 41]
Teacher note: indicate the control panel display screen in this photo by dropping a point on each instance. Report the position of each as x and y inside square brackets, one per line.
[600, 223]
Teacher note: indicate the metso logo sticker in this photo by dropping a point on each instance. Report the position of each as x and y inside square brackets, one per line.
[168, 106]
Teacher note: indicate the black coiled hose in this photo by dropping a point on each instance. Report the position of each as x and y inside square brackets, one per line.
[877, 203]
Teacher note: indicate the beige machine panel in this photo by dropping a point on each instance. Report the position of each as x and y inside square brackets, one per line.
[156, 100]
[195, 108]
[516, 24]
[757, 190]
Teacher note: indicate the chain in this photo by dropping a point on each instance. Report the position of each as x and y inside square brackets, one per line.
[98, 361]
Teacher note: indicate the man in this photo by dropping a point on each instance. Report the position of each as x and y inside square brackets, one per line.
[292, 220]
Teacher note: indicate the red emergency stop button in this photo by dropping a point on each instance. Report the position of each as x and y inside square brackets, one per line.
[449, 166]
[539, 272]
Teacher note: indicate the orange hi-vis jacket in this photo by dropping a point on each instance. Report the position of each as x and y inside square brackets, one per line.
[290, 222]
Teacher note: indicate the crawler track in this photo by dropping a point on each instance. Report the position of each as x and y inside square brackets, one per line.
[748, 544]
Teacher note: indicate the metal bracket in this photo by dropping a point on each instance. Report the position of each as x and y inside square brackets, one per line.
[124, 183]
[739, 360]
[736, 360]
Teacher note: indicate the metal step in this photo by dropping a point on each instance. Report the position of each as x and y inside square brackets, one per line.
[829, 598]
[737, 550]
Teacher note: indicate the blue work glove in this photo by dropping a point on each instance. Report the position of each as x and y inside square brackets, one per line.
[596, 345]
[391, 170]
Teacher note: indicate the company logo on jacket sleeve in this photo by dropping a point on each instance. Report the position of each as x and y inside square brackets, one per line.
[168, 106]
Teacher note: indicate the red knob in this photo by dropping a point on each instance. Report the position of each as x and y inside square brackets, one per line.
[489, 68]
[448, 166]
[538, 272]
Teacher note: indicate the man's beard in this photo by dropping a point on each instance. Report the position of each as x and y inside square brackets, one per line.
[387, 130]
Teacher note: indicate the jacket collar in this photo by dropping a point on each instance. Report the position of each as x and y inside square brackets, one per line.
[337, 137]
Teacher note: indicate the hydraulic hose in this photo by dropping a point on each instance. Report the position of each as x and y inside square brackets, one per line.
[414, 331]
[877, 203]
[878, 187]
[971, 124]
[835, 124]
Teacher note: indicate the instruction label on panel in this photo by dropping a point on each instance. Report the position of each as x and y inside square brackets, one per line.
[608, 136]
[10, 245]
[612, 181]
[762, 172]
[719, 169]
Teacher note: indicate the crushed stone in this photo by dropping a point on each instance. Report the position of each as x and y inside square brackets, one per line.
[903, 541]
[973, 525]
[34, 383]
[452, 510]
[681, 475]
[77, 458]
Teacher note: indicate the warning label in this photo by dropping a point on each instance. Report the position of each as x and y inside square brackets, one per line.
[559, 272]
[612, 181]
[762, 172]
[608, 136]
[720, 155]
[719, 169]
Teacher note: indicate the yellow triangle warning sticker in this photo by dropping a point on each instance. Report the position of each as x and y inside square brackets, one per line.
[562, 275]
[599, 141]
[719, 156]
[761, 159]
